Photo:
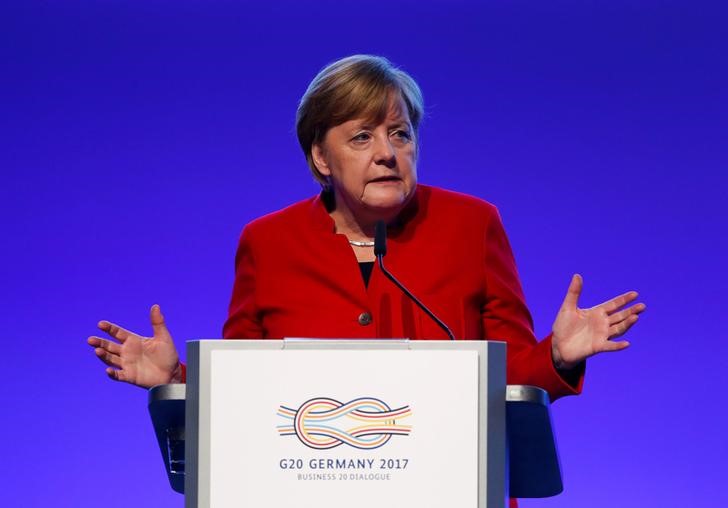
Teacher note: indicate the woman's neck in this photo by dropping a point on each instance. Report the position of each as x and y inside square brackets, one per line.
[359, 227]
[359, 230]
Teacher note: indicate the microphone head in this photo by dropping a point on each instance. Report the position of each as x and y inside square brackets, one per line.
[380, 238]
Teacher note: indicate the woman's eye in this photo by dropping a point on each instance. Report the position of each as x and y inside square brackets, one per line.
[403, 134]
[363, 136]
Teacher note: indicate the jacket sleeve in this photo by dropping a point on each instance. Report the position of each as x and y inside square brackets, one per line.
[243, 320]
[506, 317]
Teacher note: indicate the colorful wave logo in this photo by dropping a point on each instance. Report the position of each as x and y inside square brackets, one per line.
[365, 423]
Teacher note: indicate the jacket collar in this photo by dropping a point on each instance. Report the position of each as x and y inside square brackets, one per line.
[407, 220]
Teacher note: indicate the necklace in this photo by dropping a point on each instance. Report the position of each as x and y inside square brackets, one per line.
[361, 244]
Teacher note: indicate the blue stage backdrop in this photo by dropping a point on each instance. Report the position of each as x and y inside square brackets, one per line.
[139, 137]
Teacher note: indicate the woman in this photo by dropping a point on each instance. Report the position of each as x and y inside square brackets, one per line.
[297, 273]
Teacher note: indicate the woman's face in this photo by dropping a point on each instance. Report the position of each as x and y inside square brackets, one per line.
[372, 168]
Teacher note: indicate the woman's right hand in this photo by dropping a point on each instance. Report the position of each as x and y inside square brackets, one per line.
[141, 361]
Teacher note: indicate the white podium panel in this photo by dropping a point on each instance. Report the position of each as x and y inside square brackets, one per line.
[345, 423]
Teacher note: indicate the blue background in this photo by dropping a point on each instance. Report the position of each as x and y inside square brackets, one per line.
[139, 137]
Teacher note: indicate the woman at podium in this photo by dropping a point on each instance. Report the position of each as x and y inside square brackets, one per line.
[309, 270]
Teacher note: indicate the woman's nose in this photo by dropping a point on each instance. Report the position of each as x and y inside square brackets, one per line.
[384, 151]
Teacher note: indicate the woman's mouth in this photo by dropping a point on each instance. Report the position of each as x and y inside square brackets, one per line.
[386, 179]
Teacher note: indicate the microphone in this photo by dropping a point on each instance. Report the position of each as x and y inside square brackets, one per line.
[380, 250]
[380, 239]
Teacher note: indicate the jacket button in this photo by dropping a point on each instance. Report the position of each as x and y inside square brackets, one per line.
[365, 318]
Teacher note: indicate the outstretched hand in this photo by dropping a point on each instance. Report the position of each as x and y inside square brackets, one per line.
[142, 361]
[581, 333]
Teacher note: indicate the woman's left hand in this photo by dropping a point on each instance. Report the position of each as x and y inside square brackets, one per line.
[581, 333]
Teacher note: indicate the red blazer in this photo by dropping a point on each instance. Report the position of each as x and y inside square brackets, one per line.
[296, 278]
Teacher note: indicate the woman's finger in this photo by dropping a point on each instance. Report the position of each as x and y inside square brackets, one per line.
[611, 346]
[115, 374]
[571, 300]
[115, 331]
[618, 302]
[109, 359]
[111, 347]
[158, 325]
[621, 328]
[617, 317]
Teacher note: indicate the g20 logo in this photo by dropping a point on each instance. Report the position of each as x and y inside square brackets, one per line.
[323, 423]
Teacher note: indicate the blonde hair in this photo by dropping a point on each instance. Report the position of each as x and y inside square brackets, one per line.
[358, 86]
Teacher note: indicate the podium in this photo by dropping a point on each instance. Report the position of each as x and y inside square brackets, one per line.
[326, 423]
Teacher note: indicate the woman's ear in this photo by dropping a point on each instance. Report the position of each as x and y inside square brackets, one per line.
[319, 159]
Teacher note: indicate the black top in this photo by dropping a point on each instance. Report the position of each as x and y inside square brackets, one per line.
[366, 271]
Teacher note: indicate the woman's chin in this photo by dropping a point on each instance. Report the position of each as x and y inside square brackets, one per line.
[385, 196]
[386, 200]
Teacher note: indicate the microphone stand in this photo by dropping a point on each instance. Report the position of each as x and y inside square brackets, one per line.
[380, 249]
